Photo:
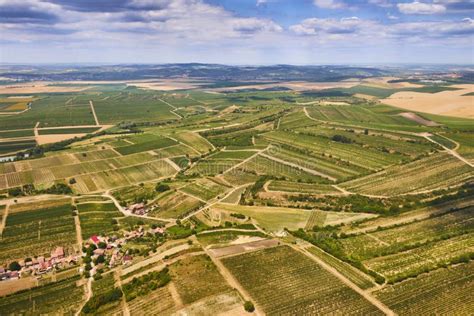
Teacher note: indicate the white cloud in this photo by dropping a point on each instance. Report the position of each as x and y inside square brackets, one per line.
[421, 8]
[261, 2]
[329, 4]
[381, 3]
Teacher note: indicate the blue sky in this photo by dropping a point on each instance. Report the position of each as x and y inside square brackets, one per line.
[237, 31]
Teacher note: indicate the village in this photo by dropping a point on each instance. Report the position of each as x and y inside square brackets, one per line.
[98, 253]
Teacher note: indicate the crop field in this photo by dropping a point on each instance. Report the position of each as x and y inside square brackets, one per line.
[265, 166]
[220, 162]
[282, 281]
[175, 204]
[441, 292]
[63, 297]
[37, 232]
[365, 158]
[104, 180]
[145, 143]
[194, 140]
[435, 171]
[196, 278]
[204, 189]
[356, 276]
[316, 202]
[358, 115]
[97, 218]
[50, 111]
[298, 187]
[158, 301]
[130, 106]
[397, 238]
[424, 258]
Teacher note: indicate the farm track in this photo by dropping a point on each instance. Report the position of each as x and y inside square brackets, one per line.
[246, 160]
[93, 113]
[213, 202]
[452, 152]
[365, 294]
[234, 283]
[88, 292]
[4, 219]
[127, 213]
[173, 107]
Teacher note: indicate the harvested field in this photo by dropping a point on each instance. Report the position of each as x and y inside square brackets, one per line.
[243, 248]
[451, 103]
[416, 118]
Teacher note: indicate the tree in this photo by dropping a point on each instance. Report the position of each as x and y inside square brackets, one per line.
[14, 266]
[249, 307]
[160, 187]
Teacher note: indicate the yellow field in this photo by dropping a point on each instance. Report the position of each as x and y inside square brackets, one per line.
[450, 103]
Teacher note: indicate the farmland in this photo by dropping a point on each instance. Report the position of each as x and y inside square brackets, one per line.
[282, 281]
[37, 231]
[296, 201]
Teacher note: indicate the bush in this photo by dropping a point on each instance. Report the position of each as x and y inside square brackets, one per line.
[14, 266]
[249, 307]
[162, 187]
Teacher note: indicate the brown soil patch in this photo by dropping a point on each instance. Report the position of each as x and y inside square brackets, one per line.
[416, 118]
[12, 286]
[449, 103]
[38, 87]
[53, 138]
[241, 248]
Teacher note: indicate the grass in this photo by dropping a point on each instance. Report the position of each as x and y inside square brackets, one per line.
[84, 130]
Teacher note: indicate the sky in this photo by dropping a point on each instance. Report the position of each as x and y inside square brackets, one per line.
[241, 32]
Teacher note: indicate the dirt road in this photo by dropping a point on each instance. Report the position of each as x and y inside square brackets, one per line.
[93, 113]
[346, 281]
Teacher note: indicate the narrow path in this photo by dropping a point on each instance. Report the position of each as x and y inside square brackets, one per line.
[178, 302]
[212, 202]
[77, 222]
[118, 283]
[377, 239]
[450, 151]
[246, 160]
[88, 291]
[234, 283]
[93, 113]
[35, 130]
[369, 297]
[173, 108]
[172, 164]
[310, 171]
[3, 224]
[127, 213]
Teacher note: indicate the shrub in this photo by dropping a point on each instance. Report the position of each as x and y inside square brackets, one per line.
[249, 307]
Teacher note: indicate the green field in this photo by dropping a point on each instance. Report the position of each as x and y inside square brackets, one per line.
[281, 280]
[37, 231]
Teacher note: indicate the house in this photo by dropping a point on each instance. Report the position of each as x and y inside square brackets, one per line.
[99, 252]
[95, 240]
[58, 253]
